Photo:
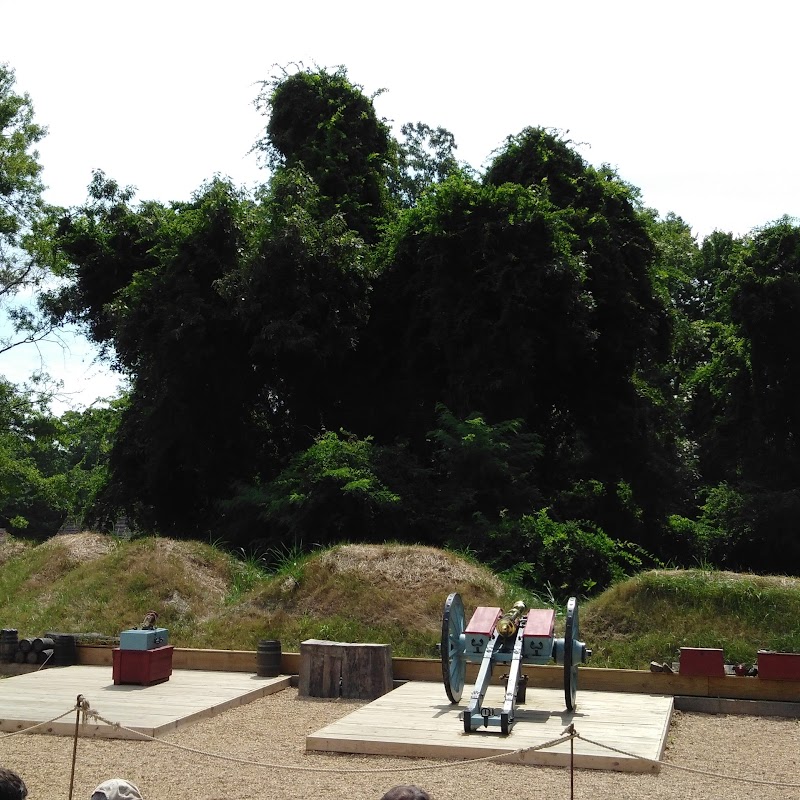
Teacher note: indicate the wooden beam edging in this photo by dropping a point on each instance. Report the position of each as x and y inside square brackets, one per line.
[190, 658]
[546, 677]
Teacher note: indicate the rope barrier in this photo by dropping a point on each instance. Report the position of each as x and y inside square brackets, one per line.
[690, 769]
[86, 712]
[37, 725]
[347, 771]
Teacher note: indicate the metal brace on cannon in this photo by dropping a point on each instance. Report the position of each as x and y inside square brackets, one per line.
[512, 638]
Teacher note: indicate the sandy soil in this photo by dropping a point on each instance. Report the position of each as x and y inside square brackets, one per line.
[273, 730]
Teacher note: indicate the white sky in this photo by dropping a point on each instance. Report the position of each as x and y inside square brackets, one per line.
[694, 102]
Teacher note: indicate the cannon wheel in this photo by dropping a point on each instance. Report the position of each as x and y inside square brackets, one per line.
[571, 634]
[453, 663]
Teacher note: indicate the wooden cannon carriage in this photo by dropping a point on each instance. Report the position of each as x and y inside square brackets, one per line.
[512, 638]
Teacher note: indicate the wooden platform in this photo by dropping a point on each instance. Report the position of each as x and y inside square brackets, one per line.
[188, 695]
[417, 720]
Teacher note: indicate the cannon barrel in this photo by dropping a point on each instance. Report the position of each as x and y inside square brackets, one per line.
[508, 623]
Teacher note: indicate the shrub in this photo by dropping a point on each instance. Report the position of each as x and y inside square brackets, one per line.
[574, 556]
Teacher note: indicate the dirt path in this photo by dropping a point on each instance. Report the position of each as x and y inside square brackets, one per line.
[274, 728]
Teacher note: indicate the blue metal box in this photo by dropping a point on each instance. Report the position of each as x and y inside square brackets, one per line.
[143, 640]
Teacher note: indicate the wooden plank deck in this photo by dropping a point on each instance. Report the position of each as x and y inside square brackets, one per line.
[417, 720]
[35, 697]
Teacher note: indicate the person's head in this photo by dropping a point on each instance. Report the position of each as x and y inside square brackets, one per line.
[116, 789]
[12, 787]
[406, 792]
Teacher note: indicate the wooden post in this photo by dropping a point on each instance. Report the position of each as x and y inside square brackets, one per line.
[344, 669]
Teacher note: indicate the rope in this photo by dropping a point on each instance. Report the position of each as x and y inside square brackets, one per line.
[37, 725]
[345, 771]
[86, 713]
[46, 660]
[690, 769]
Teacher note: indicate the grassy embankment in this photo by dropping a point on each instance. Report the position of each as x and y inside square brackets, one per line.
[89, 583]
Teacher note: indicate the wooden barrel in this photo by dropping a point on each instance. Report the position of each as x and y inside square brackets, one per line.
[65, 651]
[32, 657]
[46, 656]
[19, 657]
[9, 644]
[26, 645]
[268, 658]
[42, 643]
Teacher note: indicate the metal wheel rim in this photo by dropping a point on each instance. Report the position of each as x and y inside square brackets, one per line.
[571, 634]
[453, 661]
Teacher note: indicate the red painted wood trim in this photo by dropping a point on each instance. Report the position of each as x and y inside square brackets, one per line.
[541, 622]
[483, 620]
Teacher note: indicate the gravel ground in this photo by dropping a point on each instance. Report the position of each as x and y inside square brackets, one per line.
[273, 730]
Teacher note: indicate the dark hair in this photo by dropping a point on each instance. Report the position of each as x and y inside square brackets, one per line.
[12, 787]
[406, 792]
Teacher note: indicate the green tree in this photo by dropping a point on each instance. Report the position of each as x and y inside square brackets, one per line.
[469, 310]
[711, 359]
[301, 298]
[145, 281]
[20, 207]
[28, 499]
[614, 396]
[741, 400]
[483, 473]
[571, 557]
[426, 156]
[231, 315]
[766, 309]
[98, 248]
[529, 296]
[328, 492]
[323, 124]
[85, 440]
[49, 467]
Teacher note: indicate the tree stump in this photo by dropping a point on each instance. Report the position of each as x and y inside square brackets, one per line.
[344, 669]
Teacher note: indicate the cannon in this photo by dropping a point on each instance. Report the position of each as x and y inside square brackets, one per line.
[511, 638]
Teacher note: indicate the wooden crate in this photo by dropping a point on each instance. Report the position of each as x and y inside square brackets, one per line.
[705, 661]
[144, 667]
[344, 669]
[778, 666]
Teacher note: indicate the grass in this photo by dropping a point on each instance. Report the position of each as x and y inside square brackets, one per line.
[394, 593]
[651, 616]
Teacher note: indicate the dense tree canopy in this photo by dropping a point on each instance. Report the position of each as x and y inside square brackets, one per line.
[382, 343]
[323, 124]
[480, 305]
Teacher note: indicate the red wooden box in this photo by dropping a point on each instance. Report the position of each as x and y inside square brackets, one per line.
[703, 661]
[778, 666]
[142, 666]
[483, 620]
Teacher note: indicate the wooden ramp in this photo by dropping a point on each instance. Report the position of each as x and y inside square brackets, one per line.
[418, 720]
[26, 700]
